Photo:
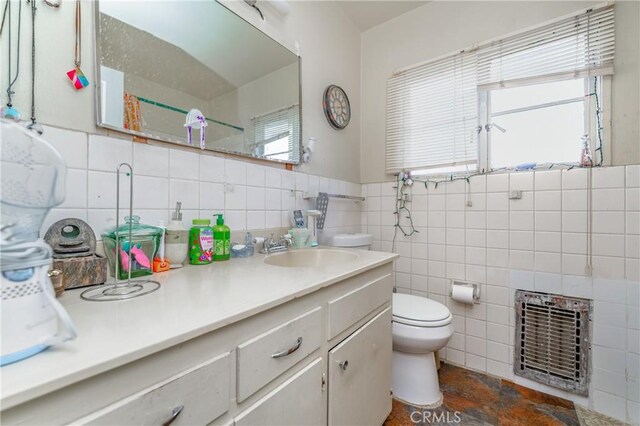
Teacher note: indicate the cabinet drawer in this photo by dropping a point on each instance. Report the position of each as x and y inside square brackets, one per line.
[202, 391]
[346, 310]
[360, 372]
[296, 402]
[265, 357]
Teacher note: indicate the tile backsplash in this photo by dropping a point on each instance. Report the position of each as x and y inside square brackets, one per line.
[473, 231]
[251, 196]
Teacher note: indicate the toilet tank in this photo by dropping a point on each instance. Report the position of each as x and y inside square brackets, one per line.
[356, 241]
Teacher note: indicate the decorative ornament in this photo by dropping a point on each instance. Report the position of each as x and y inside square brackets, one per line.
[77, 77]
[196, 120]
[34, 125]
[9, 112]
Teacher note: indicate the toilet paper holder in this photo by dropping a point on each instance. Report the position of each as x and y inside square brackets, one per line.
[476, 289]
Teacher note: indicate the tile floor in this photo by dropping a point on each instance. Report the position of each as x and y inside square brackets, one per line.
[472, 398]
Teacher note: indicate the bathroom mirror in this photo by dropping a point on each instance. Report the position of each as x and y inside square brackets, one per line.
[156, 62]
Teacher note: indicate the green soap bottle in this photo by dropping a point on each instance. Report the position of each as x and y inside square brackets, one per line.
[222, 240]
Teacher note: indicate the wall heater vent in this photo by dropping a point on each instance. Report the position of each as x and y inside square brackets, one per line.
[553, 340]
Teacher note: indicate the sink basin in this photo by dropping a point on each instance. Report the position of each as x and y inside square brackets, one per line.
[311, 258]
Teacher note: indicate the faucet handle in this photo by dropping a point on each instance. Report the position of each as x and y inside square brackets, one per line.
[287, 238]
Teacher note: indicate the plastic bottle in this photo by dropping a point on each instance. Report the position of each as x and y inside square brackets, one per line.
[201, 242]
[222, 239]
[586, 160]
[176, 246]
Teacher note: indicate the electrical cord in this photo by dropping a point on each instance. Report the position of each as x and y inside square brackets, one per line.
[401, 206]
[598, 121]
[4, 15]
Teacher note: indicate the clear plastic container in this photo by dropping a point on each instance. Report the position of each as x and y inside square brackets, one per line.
[137, 253]
[300, 238]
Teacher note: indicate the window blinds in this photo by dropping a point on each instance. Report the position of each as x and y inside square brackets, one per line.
[572, 47]
[432, 115]
[275, 126]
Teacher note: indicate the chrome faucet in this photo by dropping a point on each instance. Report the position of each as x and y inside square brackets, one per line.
[271, 245]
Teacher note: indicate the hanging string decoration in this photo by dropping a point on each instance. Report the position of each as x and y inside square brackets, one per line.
[77, 77]
[34, 125]
[8, 111]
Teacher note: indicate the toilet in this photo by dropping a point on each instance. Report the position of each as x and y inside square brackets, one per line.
[355, 241]
[420, 327]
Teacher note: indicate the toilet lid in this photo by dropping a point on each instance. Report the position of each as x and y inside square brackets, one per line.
[420, 311]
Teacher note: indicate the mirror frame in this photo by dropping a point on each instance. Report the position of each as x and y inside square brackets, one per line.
[144, 135]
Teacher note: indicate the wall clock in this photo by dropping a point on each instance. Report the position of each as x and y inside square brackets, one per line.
[336, 107]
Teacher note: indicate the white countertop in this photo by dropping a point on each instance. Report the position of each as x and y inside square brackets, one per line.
[191, 301]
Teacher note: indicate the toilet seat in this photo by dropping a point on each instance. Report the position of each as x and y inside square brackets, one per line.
[419, 311]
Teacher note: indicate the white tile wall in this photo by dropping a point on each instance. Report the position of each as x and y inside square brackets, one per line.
[251, 196]
[538, 242]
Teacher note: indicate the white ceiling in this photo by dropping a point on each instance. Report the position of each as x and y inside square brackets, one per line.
[367, 14]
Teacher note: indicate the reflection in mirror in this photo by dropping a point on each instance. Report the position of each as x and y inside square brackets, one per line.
[158, 62]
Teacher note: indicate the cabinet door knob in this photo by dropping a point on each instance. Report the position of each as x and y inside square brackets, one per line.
[289, 351]
[343, 365]
[174, 415]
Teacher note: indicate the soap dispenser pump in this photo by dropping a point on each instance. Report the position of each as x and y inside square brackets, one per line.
[222, 240]
[176, 239]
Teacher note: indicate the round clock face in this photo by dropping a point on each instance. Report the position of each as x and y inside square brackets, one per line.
[336, 107]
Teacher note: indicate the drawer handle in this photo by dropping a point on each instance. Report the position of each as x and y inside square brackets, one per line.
[174, 415]
[343, 365]
[288, 351]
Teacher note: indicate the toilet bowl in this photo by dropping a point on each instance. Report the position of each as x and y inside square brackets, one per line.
[356, 241]
[420, 328]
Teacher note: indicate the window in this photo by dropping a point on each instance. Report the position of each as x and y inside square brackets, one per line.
[529, 97]
[276, 135]
[539, 123]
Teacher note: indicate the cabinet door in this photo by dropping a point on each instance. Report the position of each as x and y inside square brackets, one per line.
[360, 375]
[296, 402]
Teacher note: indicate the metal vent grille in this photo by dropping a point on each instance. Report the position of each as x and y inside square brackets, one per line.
[553, 340]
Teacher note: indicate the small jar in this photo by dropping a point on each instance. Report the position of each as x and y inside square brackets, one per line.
[136, 254]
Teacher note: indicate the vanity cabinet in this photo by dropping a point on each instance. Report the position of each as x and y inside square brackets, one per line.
[320, 358]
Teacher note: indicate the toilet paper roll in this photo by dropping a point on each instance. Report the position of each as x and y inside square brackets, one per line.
[462, 293]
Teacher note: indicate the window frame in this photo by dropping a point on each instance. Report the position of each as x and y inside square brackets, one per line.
[484, 121]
